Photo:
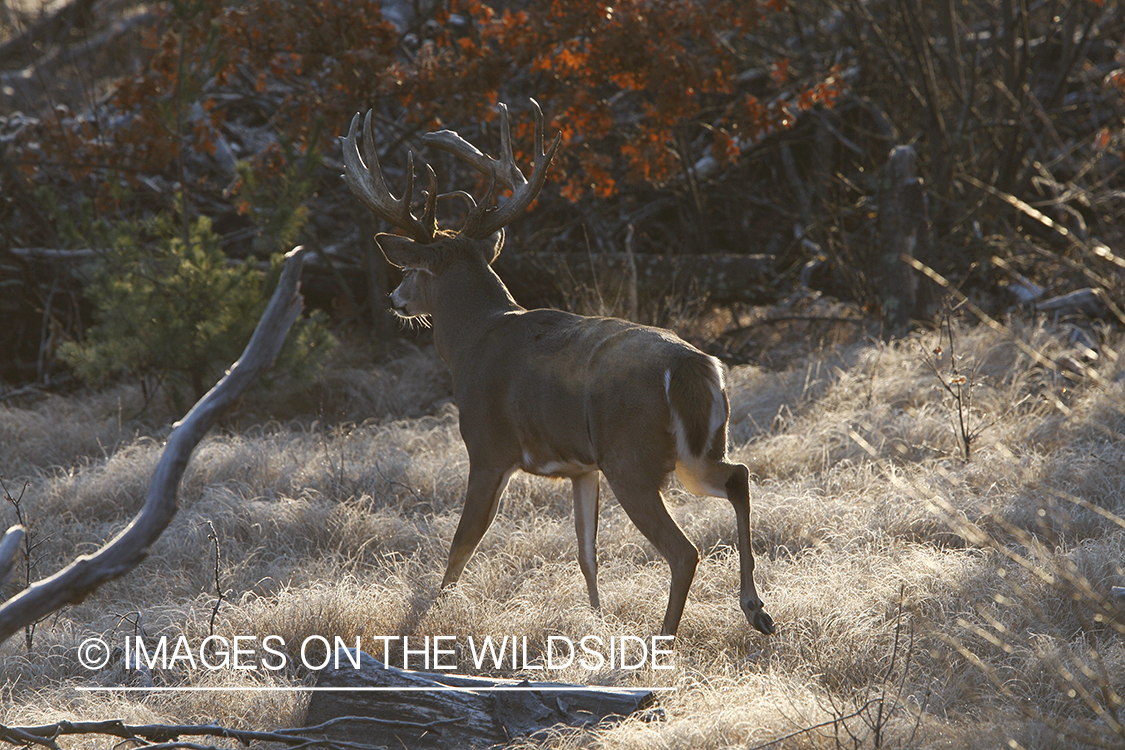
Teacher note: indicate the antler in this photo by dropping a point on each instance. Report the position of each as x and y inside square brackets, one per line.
[484, 219]
[365, 179]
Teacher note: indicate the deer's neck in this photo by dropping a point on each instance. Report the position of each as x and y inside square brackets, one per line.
[468, 299]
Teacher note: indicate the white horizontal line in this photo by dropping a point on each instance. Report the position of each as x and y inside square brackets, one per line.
[378, 689]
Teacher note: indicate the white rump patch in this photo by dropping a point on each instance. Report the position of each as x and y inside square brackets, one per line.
[682, 449]
[718, 411]
[718, 401]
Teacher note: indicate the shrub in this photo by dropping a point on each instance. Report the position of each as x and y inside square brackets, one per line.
[641, 89]
[173, 312]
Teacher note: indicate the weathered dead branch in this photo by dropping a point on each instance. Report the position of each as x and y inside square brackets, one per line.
[9, 551]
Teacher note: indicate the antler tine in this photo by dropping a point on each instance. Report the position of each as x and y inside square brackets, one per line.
[484, 220]
[429, 214]
[364, 176]
[539, 130]
[514, 176]
[549, 153]
[402, 203]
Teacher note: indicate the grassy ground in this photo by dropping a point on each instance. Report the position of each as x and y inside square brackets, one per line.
[923, 600]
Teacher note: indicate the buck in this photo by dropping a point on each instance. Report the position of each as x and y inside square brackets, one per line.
[549, 392]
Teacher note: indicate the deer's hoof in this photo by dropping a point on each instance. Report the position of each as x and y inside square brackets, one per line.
[762, 622]
[756, 615]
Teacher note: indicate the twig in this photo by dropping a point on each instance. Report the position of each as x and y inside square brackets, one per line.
[831, 722]
[17, 736]
[214, 537]
[395, 483]
[26, 390]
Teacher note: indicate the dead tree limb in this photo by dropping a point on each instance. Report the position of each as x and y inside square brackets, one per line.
[9, 551]
[161, 733]
[124, 552]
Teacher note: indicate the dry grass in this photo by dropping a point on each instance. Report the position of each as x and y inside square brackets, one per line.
[923, 601]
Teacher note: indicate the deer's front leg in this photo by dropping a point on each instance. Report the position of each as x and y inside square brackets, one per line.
[482, 500]
[586, 501]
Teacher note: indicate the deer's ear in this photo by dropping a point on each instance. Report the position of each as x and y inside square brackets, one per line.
[493, 246]
[403, 251]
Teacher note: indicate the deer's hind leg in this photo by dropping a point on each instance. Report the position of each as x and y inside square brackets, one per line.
[732, 481]
[640, 496]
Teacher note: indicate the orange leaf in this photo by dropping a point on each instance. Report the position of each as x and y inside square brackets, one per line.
[1102, 139]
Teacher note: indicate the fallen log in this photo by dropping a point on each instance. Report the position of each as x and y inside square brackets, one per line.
[539, 279]
[550, 278]
[383, 706]
[556, 279]
[1086, 303]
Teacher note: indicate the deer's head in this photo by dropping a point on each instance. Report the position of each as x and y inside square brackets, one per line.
[422, 250]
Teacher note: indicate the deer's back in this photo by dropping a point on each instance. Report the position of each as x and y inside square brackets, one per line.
[559, 394]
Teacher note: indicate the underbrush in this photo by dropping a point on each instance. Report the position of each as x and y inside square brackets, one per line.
[924, 600]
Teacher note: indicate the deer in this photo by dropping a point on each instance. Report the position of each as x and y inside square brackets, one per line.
[550, 392]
